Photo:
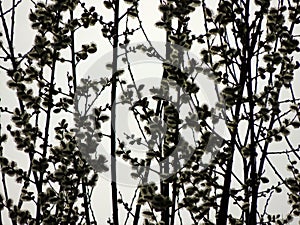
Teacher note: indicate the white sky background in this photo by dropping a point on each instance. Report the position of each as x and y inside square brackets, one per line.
[24, 37]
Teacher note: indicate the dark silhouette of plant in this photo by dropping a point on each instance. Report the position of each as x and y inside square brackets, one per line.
[248, 50]
[56, 179]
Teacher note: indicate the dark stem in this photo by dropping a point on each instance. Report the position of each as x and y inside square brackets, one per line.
[73, 62]
[113, 116]
[86, 201]
[223, 213]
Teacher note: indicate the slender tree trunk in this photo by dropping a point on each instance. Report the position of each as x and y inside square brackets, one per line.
[113, 116]
[165, 188]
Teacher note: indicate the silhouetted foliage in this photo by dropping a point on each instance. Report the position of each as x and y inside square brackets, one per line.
[51, 135]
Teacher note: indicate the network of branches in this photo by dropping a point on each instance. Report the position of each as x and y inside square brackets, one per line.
[55, 118]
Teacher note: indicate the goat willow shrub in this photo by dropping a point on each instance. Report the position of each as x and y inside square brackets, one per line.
[58, 181]
[250, 49]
